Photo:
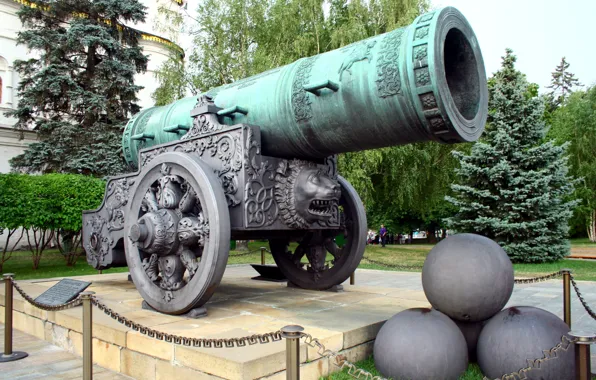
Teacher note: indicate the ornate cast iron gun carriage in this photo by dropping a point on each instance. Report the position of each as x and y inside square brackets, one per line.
[255, 159]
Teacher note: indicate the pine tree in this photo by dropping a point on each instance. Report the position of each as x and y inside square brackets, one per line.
[79, 90]
[562, 83]
[513, 186]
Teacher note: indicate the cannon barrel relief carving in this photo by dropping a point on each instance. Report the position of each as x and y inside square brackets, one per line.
[257, 159]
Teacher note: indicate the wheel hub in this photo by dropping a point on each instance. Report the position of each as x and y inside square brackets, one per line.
[157, 232]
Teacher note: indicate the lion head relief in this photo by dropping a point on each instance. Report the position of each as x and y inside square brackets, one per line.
[305, 194]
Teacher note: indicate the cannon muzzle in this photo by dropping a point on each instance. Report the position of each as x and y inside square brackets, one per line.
[423, 82]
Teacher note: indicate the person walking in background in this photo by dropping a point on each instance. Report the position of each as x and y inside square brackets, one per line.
[383, 235]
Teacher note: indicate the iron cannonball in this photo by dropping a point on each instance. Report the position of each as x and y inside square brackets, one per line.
[519, 333]
[468, 277]
[471, 331]
[420, 344]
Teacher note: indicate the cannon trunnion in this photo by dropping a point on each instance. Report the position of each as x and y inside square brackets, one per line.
[256, 160]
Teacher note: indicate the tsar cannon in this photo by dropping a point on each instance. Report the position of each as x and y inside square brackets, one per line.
[256, 159]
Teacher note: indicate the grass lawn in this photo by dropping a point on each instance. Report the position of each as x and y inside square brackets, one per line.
[582, 242]
[53, 265]
[416, 254]
[472, 373]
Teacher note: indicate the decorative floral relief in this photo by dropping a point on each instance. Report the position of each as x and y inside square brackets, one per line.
[422, 77]
[437, 124]
[421, 32]
[98, 244]
[388, 76]
[427, 17]
[420, 52]
[428, 101]
[260, 208]
[301, 101]
[116, 198]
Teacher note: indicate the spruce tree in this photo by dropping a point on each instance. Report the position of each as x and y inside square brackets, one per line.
[78, 90]
[562, 83]
[514, 186]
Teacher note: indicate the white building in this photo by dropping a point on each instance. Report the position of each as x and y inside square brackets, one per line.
[157, 48]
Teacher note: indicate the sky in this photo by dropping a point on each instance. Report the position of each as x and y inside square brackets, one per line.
[540, 32]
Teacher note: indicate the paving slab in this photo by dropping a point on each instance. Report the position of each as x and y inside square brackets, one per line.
[345, 321]
[46, 361]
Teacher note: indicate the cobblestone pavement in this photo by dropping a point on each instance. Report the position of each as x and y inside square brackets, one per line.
[46, 361]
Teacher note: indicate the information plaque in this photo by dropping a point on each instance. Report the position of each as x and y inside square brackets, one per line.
[65, 290]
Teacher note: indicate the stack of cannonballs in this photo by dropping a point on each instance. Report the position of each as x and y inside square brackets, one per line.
[468, 279]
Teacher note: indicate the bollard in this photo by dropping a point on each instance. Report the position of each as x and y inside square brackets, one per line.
[292, 334]
[8, 355]
[353, 278]
[567, 296]
[87, 336]
[583, 370]
[262, 255]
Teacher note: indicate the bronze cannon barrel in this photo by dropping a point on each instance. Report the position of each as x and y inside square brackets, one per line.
[423, 82]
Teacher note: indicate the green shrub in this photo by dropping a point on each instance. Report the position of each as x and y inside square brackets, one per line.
[47, 206]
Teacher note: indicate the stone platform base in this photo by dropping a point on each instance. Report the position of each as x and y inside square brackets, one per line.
[345, 321]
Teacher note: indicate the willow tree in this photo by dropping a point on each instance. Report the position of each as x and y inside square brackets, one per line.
[574, 123]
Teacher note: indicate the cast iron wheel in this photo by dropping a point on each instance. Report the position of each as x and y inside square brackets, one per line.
[320, 273]
[177, 233]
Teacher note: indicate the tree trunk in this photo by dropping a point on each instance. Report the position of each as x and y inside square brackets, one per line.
[592, 227]
[431, 236]
[241, 245]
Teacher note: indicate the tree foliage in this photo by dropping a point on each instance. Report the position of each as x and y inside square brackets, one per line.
[575, 122]
[513, 186]
[79, 90]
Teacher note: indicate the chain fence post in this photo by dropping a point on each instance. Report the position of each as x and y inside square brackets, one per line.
[8, 355]
[583, 370]
[292, 334]
[262, 255]
[567, 296]
[353, 278]
[87, 335]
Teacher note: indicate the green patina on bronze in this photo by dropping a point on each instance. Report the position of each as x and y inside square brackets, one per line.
[422, 82]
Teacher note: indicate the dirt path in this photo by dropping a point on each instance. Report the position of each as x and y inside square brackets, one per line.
[586, 252]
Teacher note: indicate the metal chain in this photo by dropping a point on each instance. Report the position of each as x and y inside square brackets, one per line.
[539, 278]
[359, 373]
[190, 342]
[339, 360]
[250, 252]
[581, 298]
[396, 266]
[563, 345]
[517, 280]
[68, 305]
